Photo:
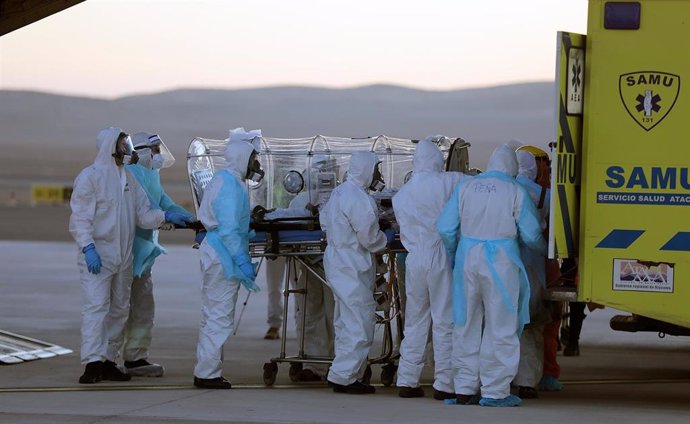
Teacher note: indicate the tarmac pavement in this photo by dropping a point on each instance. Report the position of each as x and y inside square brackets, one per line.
[619, 377]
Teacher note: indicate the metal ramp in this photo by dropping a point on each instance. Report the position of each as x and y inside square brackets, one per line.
[15, 349]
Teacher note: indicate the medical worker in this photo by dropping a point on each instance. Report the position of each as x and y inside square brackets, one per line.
[316, 306]
[350, 221]
[153, 155]
[480, 226]
[531, 365]
[225, 261]
[427, 271]
[107, 205]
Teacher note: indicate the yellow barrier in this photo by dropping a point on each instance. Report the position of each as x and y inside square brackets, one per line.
[46, 193]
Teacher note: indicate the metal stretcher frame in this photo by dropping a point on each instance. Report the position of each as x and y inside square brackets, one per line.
[295, 252]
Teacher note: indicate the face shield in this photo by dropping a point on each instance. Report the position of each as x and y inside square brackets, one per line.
[153, 153]
[254, 171]
[377, 183]
[124, 150]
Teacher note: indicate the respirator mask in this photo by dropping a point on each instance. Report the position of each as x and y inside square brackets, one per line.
[254, 171]
[377, 183]
[124, 151]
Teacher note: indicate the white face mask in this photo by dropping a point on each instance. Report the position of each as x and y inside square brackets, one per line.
[157, 161]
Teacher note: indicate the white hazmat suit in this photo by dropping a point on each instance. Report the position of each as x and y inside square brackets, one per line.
[480, 227]
[428, 278]
[350, 221]
[225, 213]
[531, 365]
[107, 205]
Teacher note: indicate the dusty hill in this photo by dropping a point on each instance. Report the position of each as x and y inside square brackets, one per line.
[48, 137]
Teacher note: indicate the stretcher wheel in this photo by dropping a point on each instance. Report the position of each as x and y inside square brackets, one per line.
[270, 373]
[295, 369]
[388, 374]
[366, 378]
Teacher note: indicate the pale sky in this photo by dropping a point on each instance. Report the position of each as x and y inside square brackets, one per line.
[111, 48]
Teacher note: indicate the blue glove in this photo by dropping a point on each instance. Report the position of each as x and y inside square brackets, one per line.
[248, 270]
[246, 266]
[200, 236]
[93, 260]
[390, 235]
[177, 218]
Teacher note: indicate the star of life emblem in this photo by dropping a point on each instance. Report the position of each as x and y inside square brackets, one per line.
[649, 96]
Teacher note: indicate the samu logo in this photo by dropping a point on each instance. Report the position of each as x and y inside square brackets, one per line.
[649, 96]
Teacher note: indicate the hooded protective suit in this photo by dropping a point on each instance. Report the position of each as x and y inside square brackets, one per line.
[350, 221]
[318, 299]
[428, 277]
[275, 269]
[490, 287]
[107, 204]
[318, 302]
[225, 213]
[146, 249]
[532, 340]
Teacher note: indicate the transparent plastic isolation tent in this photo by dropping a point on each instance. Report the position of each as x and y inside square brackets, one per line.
[314, 165]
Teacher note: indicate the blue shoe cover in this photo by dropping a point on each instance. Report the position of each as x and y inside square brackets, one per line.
[550, 383]
[511, 400]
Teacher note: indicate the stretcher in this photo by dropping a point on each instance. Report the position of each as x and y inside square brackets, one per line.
[313, 167]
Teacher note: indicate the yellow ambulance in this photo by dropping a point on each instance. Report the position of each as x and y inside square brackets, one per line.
[621, 162]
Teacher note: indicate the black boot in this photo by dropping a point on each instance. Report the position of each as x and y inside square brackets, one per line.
[410, 392]
[212, 383]
[93, 373]
[441, 395]
[113, 373]
[356, 388]
[526, 392]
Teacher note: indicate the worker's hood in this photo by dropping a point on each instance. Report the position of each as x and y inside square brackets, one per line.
[106, 139]
[427, 157]
[503, 160]
[361, 170]
[252, 137]
[527, 165]
[237, 156]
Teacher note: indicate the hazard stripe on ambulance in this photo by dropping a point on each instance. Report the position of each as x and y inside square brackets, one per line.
[620, 239]
[679, 242]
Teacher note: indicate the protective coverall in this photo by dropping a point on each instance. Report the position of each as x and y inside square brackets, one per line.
[428, 282]
[480, 226]
[225, 213]
[146, 249]
[532, 339]
[350, 220]
[107, 205]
